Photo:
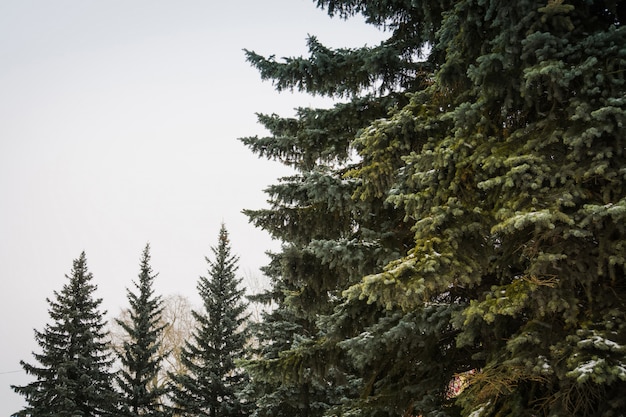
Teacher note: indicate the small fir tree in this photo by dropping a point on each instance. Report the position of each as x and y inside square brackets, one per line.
[141, 356]
[73, 377]
[213, 383]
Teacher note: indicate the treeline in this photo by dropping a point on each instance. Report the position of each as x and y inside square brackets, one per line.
[80, 373]
[453, 232]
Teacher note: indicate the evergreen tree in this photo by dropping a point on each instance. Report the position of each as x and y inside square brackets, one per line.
[325, 248]
[278, 386]
[332, 238]
[213, 384]
[503, 154]
[141, 393]
[515, 275]
[72, 377]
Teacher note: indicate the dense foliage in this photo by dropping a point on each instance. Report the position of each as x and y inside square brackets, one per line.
[453, 233]
[72, 377]
[141, 356]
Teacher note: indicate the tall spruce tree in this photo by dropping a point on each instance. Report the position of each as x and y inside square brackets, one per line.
[506, 163]
[331, 239]
[516, 273]
[141, 357]
[213, 384]
[72, 377]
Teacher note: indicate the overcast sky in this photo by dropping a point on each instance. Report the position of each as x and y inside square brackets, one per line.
[118, 126]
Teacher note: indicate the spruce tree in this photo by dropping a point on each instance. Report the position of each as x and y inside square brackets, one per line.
[213, 383]
[331, 237]
[72, 377]
[141, 392]
[501, 151]
[515, 181]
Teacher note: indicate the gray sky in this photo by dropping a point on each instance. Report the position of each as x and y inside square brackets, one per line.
[118, 126]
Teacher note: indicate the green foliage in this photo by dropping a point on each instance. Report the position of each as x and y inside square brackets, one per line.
[141, 393]
[330, 238]
[214, 383]
[343, 72]
[500, 169]
[73, 377]
[318, 135]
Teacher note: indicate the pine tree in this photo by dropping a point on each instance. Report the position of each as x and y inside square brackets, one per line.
[502, 152]
[332, 238]
[141, 393]
[515, 180]
[324, 250]
[72, 377]
[214, 383]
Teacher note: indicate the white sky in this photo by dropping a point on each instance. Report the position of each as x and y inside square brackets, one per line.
[118, 126]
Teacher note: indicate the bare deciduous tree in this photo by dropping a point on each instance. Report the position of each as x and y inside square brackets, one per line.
[179, 325]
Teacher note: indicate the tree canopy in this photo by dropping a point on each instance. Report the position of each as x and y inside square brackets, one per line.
[453, 233]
